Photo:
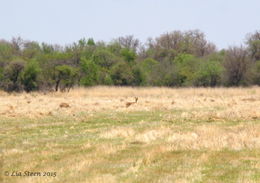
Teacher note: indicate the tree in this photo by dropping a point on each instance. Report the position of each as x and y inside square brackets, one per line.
[31, 49]
[17, 44]
[47, 48]
[177, 58]
[256, 73]
[208, 74]
[185, 66]
[115, 48]
[139, 76]
[48, 64]
[30, 76]
[147, 66]
[91, 42]
[104, 58]
[122, 74]
[196, 44]
[6, 51]
[65, 77]
[1, 75]
[128, 42]
[128, 55]
[76, 50]
[104, 77]
[160, 74]
[12, 76]
[253, 42]
[89, 70]
[189, 42]
[236, 64]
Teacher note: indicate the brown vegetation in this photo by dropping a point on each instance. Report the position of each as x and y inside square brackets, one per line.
[193, 135]
[233, 102]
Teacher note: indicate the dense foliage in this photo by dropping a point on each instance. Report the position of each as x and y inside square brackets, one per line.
[173, 59]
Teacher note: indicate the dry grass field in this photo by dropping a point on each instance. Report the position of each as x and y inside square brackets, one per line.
[168, 135]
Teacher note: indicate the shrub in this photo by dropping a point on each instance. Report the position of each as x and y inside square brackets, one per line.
[30, 76]
[208, 74]
[65, 77]
[104, 58]
[256, 73]
[13, 75]
[89, 72]
[122, 74]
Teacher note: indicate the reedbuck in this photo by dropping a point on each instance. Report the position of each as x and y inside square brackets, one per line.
[130, 103]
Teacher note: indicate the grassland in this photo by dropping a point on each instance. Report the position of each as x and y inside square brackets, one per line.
[169, 135]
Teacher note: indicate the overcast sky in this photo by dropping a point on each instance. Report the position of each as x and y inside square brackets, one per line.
[225, 22]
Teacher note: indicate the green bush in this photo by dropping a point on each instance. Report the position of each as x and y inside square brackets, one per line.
[208, 74]
[139, 76]
[256, 73]
[122, 74]
[185, 66]
[128, 55]
[89, 72]
[12, 79]
[65, 77]
[1, 73]
[104, 58]
[104, 77]
[30, 76]
[6, 51]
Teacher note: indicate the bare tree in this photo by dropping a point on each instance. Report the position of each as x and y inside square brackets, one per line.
[197, 43]
[17, 43]
[171, 40]
[129, 42]
[191, 42]
[236, 64]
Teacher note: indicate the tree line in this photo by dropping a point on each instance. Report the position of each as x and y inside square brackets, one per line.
[174, 59]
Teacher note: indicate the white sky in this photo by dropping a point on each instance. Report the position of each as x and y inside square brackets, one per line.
[225, 22]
